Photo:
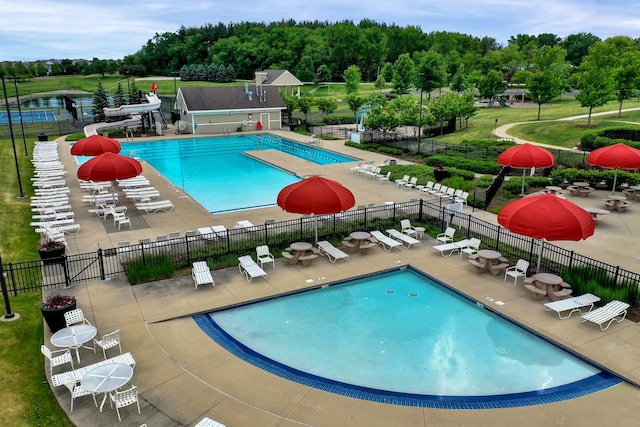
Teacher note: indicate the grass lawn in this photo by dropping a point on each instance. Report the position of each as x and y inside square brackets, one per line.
[25, 396]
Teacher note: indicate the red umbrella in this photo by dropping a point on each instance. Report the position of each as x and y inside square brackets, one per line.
[109, 167]
[153, 87]
[547, 217]
[617, 156]
[316, 195]
[526, 156]
[95, 145]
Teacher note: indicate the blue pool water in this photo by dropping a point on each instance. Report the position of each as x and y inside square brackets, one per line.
[398, 335]
[216, 173]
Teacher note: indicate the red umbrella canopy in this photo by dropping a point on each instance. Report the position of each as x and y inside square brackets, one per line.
[154, 87]
[547, 217]
[526, 156]
[108, 167]
[316, 195]
[95, 145]
[617, 156]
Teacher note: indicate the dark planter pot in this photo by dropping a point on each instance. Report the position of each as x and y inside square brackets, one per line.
[292, 128]
[440, 174]
[55, 318]
[43, 137]
[52, 256]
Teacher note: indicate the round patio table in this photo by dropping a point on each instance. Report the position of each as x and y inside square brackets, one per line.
[74, 337]
[106, 378]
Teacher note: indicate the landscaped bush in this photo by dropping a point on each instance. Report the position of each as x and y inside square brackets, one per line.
[484, 181]
[376, 148]
[150, 269]
[598, 282]
[593, 176]
[593, 139]
[514, 185]
[478, 166]
[339, 119]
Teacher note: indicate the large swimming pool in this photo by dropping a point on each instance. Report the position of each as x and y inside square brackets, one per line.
[216, 173]
[401, 337]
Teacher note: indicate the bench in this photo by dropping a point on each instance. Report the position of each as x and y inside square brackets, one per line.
[498, 268]
[477, 264]
[608, 204]
[306, 259]
[289, 257]
[59, 379]
[536, 291]
[623, 205]
[585, 191]
[349, 245]
[573, 190]
[365, 247]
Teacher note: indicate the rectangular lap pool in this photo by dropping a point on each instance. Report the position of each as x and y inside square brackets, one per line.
[216, 173]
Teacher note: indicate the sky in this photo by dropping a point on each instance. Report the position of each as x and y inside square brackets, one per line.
[111, 29]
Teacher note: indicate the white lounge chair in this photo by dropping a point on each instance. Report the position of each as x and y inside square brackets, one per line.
[386, 242]
[201, 274]
[407, 241]
[153, 207]
[518, 270]
[249, 268]
[447, 236]
[451, 247]
[572, 305]
[207, 233]
[614, 310]
[331, 252]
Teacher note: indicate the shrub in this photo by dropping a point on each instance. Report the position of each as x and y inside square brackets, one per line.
[600, 283]
[514, 185]
[337, 119]
[150, 269]
[478, 166]
[484, 181]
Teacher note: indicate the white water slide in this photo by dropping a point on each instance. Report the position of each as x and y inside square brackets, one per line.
[133, 110]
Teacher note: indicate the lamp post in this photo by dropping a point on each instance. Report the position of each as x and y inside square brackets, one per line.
[9, 316]
[13, 140]
[24, 140]
[420, 116]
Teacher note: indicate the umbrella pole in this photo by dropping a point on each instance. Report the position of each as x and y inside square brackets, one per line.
[539, 256]
[615, 178]
[315, 220]
[524, 171]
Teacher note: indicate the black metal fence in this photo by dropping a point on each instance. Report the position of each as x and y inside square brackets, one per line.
[112, 262]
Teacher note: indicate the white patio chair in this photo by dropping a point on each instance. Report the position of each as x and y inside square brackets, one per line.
[77, 390]
[264, 256]
[108, 341]
[124, 398]
[518, 270]
[75, 316]
[407, 228]
[56, 357]
[447, 236]
[472, 247]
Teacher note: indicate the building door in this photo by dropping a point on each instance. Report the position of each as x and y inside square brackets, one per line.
[265, 120]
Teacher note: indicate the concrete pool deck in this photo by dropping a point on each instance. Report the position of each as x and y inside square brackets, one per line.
[183, 375]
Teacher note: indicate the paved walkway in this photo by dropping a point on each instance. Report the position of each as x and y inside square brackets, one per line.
[182, 375]
[503, 131]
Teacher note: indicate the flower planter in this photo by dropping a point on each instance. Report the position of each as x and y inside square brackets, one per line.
[440, 174]
[55, 318]
[43, 137]
[52, 255]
